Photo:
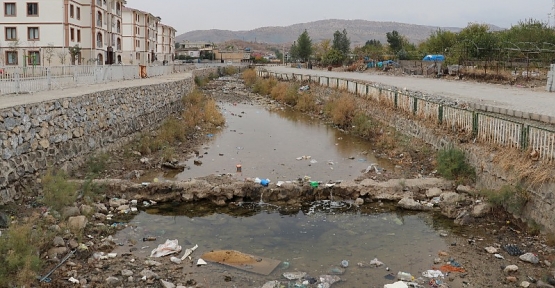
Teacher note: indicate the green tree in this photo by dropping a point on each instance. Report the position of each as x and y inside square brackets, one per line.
[304, 46]
[341, 42]
[439, 42]
[333, 57]
[395, 41]
[373, 49]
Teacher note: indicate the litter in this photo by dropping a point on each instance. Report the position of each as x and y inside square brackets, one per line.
[432, 274]
[451, 268]
[304, 88]
[169, 247]
[175, 260]
[188, 252]
[279, 183]
[373, 166]
[245, 262]
[499, 256]
[73, 280]
[294, 275]
[398, 284]
[201, 262]
[376, 262]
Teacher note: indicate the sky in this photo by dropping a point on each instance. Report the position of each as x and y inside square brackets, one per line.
[235, 15]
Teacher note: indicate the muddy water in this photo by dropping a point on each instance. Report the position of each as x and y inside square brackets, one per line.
[314, 240]
[267, 144]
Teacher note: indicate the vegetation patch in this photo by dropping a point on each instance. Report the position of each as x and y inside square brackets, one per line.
[511, 198]
[452, 165]
[58, 192]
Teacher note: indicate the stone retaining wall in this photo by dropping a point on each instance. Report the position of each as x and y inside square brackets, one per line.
[63, 132]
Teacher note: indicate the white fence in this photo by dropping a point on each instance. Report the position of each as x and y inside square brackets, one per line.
[16, 80]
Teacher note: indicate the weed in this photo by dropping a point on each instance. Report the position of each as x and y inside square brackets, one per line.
[452, 165]
[57, 190]
[513, 199]
[19, 254]
[534, 228]
[199, 81]
[264, 86]
[249, 76]
[523, 168]
[341, 110]
[278, 91]
[96, 164]
[168, 153]
[92, 192]
[306, 103]
[363, 126]
[230, 70]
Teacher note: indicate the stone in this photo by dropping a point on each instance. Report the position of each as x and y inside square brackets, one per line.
[480, 210]
[433, 192]
[465, 189]
[450, 197]
[152, 263]
[491, 250]
[126, 273]
[511, 278]
[101, 208]
[541, 284]
[166, 284]
[4, 220]
[148, 274]
[116, 202]
[86, 209]
[359, 202]
[58, 241]
[113, 281]
[525, 284]
[530, 258]
[70, 212]
[73, 244]
[411, 204]
[77, 222]
[44, 143]
[99, 216]
[57, 252]
[123, 208]
[510, 269]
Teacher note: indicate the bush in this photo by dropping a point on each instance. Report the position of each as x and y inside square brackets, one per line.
[57, 190]
[230, 70]
[306, 103]
[452, 165]
[341, 110]
[97, 164]
[264, 86]
[363, 125]
[249, 76]
[19, 254]
[513, 199]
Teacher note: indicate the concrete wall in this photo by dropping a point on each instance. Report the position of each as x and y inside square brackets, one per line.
[65, 131]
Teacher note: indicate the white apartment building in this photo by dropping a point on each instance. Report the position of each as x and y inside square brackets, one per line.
[165, 46]
[46, 32]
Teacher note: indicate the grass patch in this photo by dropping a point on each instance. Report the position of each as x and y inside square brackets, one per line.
[512, 199]
[58, 192]
[19, 254]
[452, 165]
[201, 111]
[523, 168]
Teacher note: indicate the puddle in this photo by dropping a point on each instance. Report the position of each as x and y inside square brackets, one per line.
[314, 240]
[267, 144]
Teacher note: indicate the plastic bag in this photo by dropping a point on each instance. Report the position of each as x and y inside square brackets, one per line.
[169, 247]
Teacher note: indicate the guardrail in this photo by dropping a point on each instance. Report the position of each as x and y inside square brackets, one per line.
[484, 127]
[19, 80]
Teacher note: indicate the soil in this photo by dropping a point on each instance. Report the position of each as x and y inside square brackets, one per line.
[468, 242]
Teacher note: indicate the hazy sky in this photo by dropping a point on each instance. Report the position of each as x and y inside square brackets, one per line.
[188, 15]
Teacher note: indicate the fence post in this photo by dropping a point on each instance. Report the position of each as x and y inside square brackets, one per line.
[356, 88]
[440, 114]
[475, 124]
[48, 79]
[524, 134]
[415, 105]
[328, 81]
[396, 99]
[17, 83]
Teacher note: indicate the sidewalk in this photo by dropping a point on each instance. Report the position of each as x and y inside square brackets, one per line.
[22, 99]
[536, 103]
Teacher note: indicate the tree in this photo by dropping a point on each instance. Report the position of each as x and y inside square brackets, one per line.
[321, 49]
[439, 42]
[74, 52]
[395, 41]
[341, 42]
[62, 55]
[49, 53]
[304, 46]
[333, 57]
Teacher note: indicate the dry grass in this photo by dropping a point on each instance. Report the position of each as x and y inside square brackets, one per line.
[520, 166]
[306, 103]
[249, 76]
[341, 109]
[264, 86]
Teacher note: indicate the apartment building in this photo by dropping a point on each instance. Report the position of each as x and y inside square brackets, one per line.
[165, 47]
[74, 32]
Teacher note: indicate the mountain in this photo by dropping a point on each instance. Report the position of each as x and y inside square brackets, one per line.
[359, 31]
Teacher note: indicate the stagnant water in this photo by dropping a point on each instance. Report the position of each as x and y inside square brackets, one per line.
[314, 240]
[267, 144]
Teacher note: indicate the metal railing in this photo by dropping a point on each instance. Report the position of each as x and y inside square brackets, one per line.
[483, 127]
[22, 80]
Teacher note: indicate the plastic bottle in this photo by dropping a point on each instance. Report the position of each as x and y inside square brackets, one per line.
[404, 276]
[149, 238]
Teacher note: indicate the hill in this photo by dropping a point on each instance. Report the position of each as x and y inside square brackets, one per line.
[359, 31]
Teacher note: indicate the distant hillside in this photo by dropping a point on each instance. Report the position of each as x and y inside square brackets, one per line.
[359, 31]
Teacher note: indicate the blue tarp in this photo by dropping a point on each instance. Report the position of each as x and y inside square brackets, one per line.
[436, 58]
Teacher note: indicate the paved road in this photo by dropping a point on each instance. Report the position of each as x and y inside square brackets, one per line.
[518, 99]
[21, 99]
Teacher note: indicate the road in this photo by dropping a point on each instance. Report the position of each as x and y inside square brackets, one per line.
[501, 96]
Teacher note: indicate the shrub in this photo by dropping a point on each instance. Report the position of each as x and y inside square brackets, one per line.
[19, 254]
[513, 199]
[230, 70]
[278, 91]
[341, 110]
[212, 114]
[452, 165]
[291, 95]
[57, 190]
[306, 103]
[249, 76]
[363, 125]
[97, 163]
[264, 86]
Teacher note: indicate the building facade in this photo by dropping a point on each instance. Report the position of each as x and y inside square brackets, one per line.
[165, 45]
[74, 32]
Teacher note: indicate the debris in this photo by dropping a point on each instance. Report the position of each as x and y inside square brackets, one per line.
[175, 260]
[405, 276]
[344, 263]
[188, 252]
[73, 280]
[169, 247]
[498, 256]
[432, 274]
[200, 262]
[513, 250]
[304, 88]
[510, 269]
[294, 275]
[398, 284]
[243, 261]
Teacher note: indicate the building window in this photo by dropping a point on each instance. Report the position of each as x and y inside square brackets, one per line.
[78, 10]
[118, 27]
[118, 9]
[33, 33]
[138, 43]
[9, 9]
[11, 34]
[99, 19]
[99, 39]
[33, 58]
[118, 42]
[71, 12]
[78, 35]
[32, 9]
[11, 57]
[138, 56]
[72, 34]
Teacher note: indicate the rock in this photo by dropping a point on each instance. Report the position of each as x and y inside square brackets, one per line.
[450, 197]
[511, 278]
[541, 284]
[411, 204]
[359, 202]
[148, 274]
[464, 218]
[113, 281]
[271, 284]
[465, 189]
[480, 210]
[437, 260]
[4, 220]
[77, 222]
[491, 250]
[166, 284]
[152, 263]
[433, 192]
[529, 257]
[70, 212]
[510, 269]
[99, 216]
[73, 244]
[101, 208]
[53, 253]
[525, 284]
[58, 241]
[117, 202]
[86, 209]
[126, 273]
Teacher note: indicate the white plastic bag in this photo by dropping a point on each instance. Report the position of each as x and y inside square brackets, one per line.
[169, 247]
